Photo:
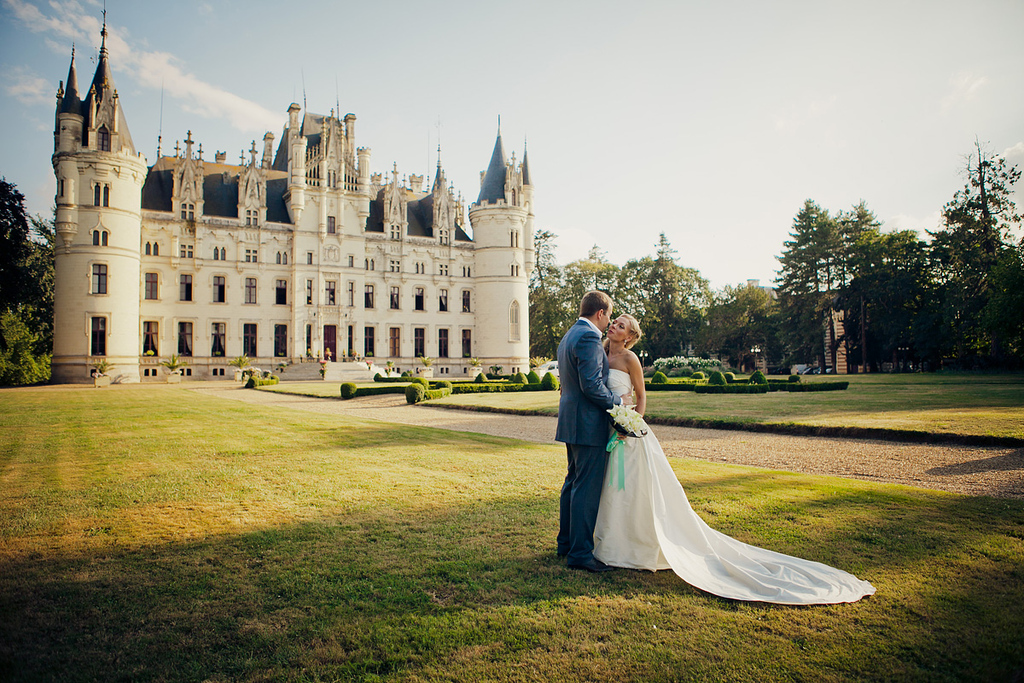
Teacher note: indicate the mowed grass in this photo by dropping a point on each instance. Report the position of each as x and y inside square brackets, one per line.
[152, 533]
[973, 405]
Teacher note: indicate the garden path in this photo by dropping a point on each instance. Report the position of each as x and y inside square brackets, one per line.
[971, 470]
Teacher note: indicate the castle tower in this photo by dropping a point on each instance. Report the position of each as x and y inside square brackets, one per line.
[503, 239]
[99, 225]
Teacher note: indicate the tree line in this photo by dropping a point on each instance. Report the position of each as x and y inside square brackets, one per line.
[887, 300]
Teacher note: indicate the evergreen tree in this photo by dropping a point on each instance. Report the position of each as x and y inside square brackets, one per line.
[807, 284]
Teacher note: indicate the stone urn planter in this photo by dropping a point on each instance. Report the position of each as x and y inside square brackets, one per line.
[101, 381]
[427, 372]
[174, 378]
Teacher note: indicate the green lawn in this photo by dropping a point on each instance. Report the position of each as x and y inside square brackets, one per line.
[974, 405]
[151, 533]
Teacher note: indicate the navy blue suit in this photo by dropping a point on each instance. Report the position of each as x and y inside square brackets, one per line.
[583, 428]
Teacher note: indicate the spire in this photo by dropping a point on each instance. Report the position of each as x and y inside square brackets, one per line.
[439, 175]
[72, 102]
[526, 167]
[103, 80]
[493, 186]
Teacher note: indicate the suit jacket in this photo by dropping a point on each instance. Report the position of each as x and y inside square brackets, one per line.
[583, 372]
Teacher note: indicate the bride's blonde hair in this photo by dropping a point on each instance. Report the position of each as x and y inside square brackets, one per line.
[633, 327]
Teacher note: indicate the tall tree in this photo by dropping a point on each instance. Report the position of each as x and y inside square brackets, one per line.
[740, 325]
[14, 245]
[1004, 312]
[852, 226]
[977, 223]
[807, 284]
[549, 311]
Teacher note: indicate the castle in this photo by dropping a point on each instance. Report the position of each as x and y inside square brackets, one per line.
[295, 252]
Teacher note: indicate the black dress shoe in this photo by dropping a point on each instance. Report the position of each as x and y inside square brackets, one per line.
[594, 566]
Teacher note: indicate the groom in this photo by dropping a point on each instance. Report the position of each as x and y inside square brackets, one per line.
[583, 428]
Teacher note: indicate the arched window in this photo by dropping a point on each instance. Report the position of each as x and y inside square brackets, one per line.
[96, 238]
[216, 254]
[96, 195]
[223, 254]
[103, 139]
[284, 258]
[149, 249]
[156, 249]
[513, 321]
[278, 258]
[103, 238]
[106, 195]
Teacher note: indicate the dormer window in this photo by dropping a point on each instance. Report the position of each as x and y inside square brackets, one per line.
[188, 212]
[252, 217]
[103, 139]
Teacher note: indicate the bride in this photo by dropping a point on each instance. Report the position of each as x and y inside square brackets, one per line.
[645, 520]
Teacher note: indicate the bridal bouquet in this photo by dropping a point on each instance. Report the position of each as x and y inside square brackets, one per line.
[627, 421]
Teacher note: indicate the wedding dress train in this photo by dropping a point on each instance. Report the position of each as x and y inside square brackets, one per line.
[648, 524]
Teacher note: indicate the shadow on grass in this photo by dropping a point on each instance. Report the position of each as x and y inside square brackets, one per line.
[381, 591]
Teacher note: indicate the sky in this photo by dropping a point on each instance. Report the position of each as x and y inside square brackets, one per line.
[709, 122]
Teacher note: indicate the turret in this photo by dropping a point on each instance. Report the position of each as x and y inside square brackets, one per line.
[500, 219]
[99, 224]
[296, 194]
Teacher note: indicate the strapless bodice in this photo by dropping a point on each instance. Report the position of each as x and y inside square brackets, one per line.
[619, 382]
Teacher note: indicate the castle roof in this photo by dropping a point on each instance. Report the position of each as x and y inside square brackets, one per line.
[493, 186]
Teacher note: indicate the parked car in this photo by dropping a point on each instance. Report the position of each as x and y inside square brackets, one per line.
[551, 366]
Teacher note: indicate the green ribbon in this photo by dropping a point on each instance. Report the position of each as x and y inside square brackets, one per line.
[616, 445]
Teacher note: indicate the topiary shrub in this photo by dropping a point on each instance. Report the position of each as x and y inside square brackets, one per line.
[442, 384]
[698, 376]
[717, 379]
[659, 378]
[422, 381]
[407, 373]
[533, 377]
[794, 378]
[519, 378]
[378, 377]
[348, 390]
[758, 378]
[480, 379]
[549, 382]
[730, 377]
[415, 393]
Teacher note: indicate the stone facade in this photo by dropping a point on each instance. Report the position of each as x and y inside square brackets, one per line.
[291, 253]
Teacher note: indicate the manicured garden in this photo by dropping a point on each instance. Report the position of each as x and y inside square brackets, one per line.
[154, 533]
[976, 405]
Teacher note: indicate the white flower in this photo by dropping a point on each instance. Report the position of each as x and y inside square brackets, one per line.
[628, 420]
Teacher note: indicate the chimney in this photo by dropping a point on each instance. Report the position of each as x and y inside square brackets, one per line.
[220, 157]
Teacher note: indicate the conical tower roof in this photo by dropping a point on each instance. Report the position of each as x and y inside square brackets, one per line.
[526, 168]
[72, 101]
[493, 187]
[102, 83]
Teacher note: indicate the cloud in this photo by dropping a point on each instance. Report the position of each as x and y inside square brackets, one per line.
[28, 88]
[963, 87]
[155, 70]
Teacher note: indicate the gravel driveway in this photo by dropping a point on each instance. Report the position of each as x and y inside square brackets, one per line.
[971, 470]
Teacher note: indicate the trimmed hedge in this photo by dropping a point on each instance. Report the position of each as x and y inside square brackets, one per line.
[717, 379]
[731, 388]
[550, 382]
[377, 391]
[815, 386]
[348, 390]
[758, 378]
[254, 382]
[415, 393]
[495, 388]
[698, 375]
[659, 378]
[480, 378]
[533, 377]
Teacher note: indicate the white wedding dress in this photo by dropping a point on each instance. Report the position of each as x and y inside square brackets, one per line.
[649, 524]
